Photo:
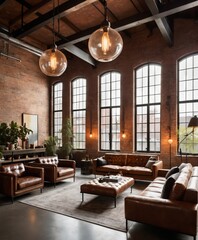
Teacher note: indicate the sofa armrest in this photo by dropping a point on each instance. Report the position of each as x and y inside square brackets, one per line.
[162, 172]
[34, 171]
[175, 215]
[155, 168]
[67, 163]
[7, 183]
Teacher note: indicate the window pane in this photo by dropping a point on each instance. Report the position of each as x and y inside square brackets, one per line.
[110, 111]
[79, 112]
[148, 99]
[188, 103]
[57, 107]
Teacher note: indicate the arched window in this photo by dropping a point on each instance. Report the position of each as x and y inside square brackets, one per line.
[110, 111]
[58, 110]
[188, 103]
[79, 90]
[147, 108]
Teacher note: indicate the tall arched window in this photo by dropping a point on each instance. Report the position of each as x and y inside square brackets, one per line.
[110, 111]
[188, 103]
[147, 108]
[79, 90]
[58, 110]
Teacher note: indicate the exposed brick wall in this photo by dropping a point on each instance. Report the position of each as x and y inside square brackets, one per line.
[23, 89]
[141, 48]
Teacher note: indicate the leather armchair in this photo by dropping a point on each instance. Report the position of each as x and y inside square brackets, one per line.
[56, 170]
[17, 179]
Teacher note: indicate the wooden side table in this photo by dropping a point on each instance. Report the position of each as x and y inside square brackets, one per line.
[86, 167]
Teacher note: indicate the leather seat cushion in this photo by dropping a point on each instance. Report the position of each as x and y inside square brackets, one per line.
[63, 171]
[27, 181]
[136, 170]
[109, 168]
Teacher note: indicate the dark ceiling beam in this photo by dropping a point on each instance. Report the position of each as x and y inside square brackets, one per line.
[58, 12]
[31, 10]
[162, 23]
[80, 53]
[135, 21]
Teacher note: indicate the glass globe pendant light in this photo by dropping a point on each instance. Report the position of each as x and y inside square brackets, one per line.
[53, 62]
[105, 44]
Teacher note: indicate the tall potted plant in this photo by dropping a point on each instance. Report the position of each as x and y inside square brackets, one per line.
[67, 137]
[4, 134]
[51, 145]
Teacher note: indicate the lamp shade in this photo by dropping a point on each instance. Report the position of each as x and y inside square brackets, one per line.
[53, 62]
[105, 44]
[193, 122]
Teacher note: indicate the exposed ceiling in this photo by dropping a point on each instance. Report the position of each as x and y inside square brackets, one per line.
[29, 23]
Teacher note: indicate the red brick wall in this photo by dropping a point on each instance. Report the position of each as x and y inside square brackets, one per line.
[23, 89]
[141, 48]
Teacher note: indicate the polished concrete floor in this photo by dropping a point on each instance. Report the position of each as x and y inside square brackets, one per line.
[19, 221]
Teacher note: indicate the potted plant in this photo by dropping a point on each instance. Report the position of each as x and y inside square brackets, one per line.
[51, 145]
[23, 132]
[13, 134]
[4, 134]
[67, 136]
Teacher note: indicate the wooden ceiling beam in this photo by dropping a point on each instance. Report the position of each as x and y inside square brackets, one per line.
[134, 21]
[58, 12]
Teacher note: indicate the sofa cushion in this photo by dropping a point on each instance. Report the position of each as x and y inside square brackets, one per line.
[136, 171]
[18, 169]
[109, 169]
[137, 160]
[116, 159]
[101, 162]
[63, 171]
[28, 181]
[179, 187]
[168, 185]
[191, 193]
[48, 160]
[172, 171]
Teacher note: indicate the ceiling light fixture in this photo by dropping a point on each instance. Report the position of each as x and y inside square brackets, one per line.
[105, 44]
[53, 62]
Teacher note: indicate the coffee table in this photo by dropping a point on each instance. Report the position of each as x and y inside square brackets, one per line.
[108, 188]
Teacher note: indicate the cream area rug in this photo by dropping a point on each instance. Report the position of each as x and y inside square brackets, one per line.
[66, 199]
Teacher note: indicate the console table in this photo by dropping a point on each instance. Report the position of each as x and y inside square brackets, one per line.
[22, 155]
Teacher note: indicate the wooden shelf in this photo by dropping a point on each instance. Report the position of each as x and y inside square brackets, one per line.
[22, 155]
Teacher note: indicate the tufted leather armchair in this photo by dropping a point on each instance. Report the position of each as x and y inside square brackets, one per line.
[56, 170]
[17, 179]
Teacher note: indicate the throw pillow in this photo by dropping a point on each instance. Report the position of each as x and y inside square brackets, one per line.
[172, 171]
[150, 163]
[101, 162]
[168, 185]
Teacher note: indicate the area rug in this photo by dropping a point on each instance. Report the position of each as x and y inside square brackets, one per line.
[66, 199]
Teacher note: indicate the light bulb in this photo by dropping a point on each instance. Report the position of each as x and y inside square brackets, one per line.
[53, 62]
[170, 141]
[105, 44]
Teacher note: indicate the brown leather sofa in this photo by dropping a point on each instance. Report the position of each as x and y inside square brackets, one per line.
[170, 204]
[17, 179]
[138, 166]
[56, 170]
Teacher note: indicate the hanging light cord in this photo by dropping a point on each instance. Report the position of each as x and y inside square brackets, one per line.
[54, 26]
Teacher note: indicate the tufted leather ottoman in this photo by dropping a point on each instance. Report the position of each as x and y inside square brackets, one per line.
[109, 189]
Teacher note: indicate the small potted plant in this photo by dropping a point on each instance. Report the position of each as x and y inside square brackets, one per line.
[23, 133]
[13, 134]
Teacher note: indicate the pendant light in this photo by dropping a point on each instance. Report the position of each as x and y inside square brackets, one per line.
[53, 62]
[105, 44]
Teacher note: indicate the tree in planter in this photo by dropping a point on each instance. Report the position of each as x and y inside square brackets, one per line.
[67, 136]
[51, 145]
[23, 132]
